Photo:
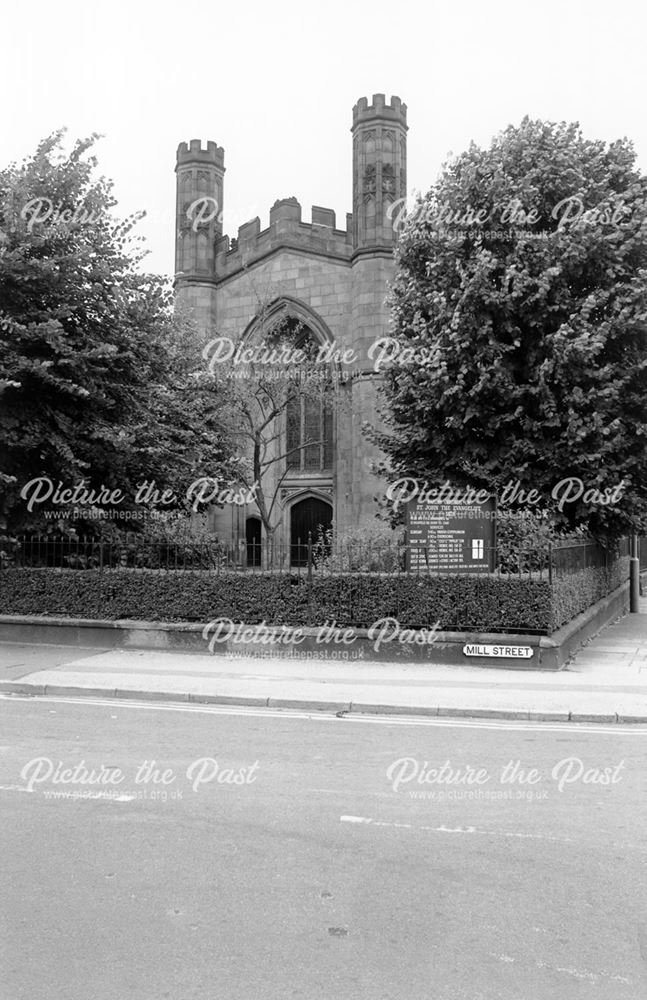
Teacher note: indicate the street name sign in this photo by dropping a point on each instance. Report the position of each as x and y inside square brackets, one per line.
[516, 652]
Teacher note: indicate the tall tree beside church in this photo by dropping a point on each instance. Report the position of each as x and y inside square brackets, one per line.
[96, 376]
[520, 315]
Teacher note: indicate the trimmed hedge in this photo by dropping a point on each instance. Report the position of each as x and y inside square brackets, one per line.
[459, 603]
[573, 593]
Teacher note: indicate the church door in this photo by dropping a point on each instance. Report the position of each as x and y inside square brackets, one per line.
[308, 516]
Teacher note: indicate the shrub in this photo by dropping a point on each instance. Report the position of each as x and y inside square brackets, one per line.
[573, 593]
[171, 545]
[374, 548]
[522, 542]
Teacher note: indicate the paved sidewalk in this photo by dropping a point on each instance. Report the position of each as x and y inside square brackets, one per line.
[607, 681]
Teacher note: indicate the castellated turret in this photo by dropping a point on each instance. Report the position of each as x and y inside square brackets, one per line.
[379, 170]
[200, 176]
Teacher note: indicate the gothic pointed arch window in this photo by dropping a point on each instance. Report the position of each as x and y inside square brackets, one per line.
[309, 437]
[309, 413]
[307, 409]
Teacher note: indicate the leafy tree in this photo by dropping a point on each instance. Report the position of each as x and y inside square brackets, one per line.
[520, 325]
[96, 378]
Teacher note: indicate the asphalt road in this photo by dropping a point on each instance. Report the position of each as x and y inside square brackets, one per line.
[283, 856]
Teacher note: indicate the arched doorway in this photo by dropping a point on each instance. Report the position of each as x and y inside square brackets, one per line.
[253, 540]
[308, 516]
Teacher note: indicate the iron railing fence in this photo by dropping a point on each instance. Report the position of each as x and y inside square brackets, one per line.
[310, 561]
[437, 557]
[642, 554]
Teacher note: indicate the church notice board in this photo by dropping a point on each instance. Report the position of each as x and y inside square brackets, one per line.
[450, 537]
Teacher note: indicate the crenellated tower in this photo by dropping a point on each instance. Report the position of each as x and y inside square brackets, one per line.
[379, 180]
[379, 170]
[199, 185]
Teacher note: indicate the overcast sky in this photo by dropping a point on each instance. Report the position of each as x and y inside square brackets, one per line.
[274, 83]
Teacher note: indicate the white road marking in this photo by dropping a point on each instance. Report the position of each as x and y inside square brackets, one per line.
[340, 791]
[592, 977]
[455, 829]
[57, 645]
[368, 821]
[617, 729]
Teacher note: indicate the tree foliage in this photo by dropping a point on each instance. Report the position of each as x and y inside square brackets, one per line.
[520, 315]
[96, 378]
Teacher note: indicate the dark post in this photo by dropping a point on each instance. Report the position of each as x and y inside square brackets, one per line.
[550, 563]
[634, 576]
[309, 578]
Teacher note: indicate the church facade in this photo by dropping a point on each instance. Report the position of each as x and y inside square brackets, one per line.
[332, 280]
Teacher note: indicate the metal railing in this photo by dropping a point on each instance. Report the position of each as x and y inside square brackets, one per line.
[136, 552]
[364, 567]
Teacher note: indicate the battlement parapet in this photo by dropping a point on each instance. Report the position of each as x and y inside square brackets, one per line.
[396, 111]
[193, 152]
[249, 232]
[285, 230]
[323, 217]
[285, 212]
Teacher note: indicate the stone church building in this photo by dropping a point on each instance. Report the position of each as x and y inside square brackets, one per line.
[334, 280]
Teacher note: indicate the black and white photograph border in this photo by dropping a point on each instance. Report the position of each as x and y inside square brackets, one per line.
[323, 519]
